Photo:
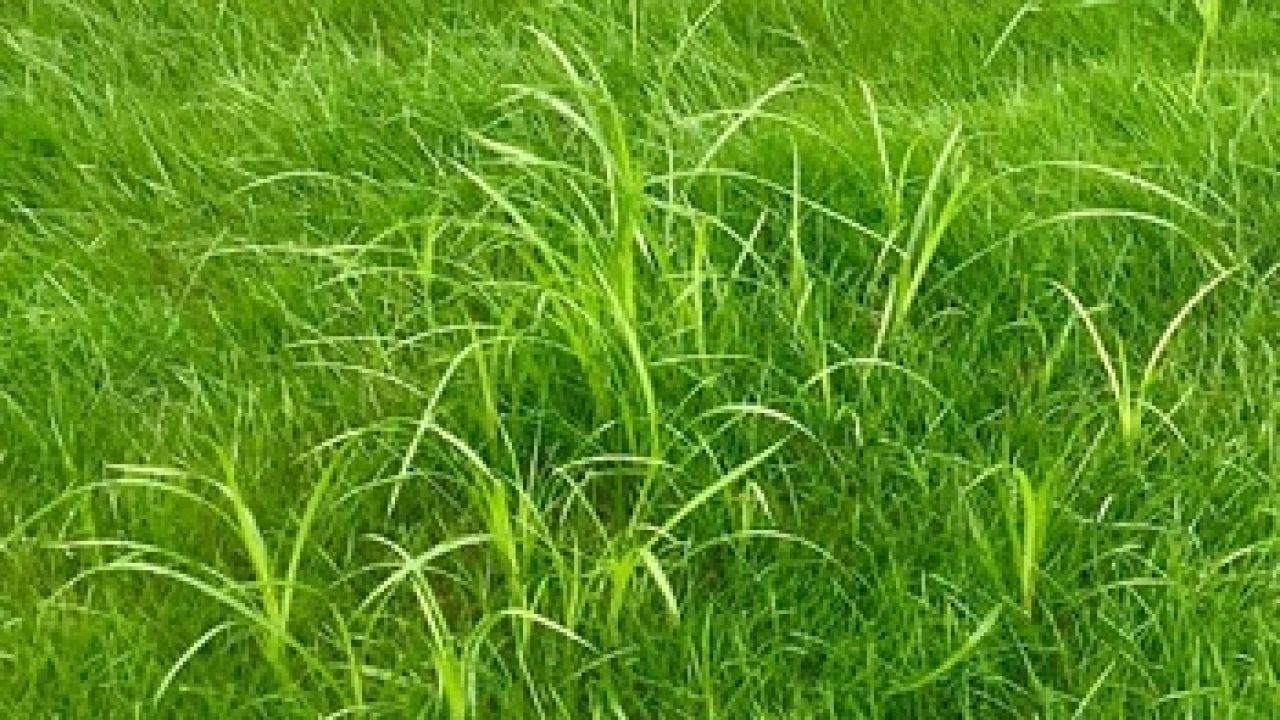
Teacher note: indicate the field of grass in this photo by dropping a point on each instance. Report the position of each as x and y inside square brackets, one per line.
[639, 359]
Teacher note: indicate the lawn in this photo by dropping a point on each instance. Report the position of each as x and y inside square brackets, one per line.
[639, 359]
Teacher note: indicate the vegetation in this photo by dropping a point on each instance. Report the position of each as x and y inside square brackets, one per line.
[639, 358]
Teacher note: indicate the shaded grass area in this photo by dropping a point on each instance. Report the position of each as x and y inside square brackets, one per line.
[548, 359]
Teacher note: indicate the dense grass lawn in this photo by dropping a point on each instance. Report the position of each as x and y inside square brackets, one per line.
[639, 359]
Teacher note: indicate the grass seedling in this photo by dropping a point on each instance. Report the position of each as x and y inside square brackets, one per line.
[264, 604]
[916, 242]
[452, 654]
[1210, 12]
[1027, 508]
[927, 231]
[1130, 397]
[1027, 519]
[623, 564]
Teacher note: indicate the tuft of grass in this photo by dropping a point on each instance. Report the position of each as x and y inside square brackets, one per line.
[1210, 12]
[1129, 393]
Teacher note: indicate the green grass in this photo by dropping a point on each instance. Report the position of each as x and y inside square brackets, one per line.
[639, 358]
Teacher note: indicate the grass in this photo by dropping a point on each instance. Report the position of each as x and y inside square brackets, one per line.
[639, 359]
